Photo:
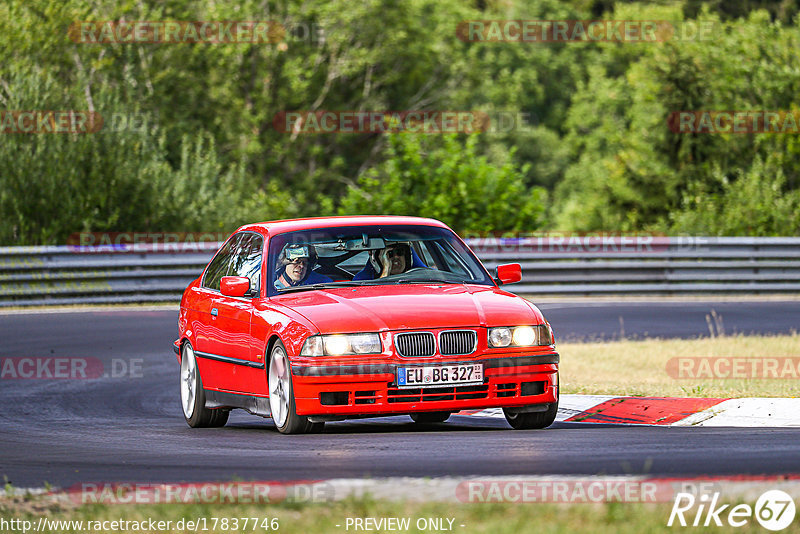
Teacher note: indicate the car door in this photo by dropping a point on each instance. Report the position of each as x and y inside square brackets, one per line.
[203, 323]
[223, 345]
[235, 318]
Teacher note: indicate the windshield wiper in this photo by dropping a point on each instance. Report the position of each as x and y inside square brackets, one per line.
[325, 285]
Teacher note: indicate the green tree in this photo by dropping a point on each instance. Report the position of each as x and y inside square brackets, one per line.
[753, 201]
[445, 178]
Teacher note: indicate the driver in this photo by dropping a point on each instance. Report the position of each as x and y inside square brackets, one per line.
[295, 267]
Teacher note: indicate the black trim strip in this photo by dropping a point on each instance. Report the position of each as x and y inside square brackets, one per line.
[391, 368]
[228, 359]
[175, 348]
[517, 361]
[226, 400]
[334, 370]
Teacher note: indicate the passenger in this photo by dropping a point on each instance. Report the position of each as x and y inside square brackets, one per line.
[394, 259]
[295, 267]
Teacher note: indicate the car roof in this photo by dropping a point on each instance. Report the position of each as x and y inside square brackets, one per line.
[291, 225]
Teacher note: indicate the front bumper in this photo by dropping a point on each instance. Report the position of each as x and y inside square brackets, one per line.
[370, 388]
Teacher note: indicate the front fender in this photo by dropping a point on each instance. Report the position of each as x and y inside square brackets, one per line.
[290, 326]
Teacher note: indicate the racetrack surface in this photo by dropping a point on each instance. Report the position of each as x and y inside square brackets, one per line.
[605, 321]
[130, 429]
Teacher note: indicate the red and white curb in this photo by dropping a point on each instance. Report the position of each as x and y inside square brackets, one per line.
[671, 411]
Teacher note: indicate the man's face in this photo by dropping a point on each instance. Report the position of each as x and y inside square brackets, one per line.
[397, 258]
[296, 270]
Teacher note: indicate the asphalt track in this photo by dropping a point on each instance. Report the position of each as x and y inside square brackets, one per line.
[130, 428]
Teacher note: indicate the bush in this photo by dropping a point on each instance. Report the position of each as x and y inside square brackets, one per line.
[445, 178]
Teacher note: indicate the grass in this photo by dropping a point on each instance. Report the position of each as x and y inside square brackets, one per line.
[320, 518]
[640, 367]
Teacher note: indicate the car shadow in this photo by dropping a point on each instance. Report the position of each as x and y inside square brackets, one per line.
[403, 424]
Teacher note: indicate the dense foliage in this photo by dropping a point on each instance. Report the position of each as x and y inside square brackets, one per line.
[189, 141]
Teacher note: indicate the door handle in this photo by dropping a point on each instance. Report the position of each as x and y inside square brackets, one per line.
[214, 312]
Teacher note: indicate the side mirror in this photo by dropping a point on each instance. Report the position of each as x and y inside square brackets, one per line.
[234, 286]
[509, 273]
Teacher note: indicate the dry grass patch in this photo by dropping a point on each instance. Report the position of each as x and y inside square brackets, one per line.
[640, 367]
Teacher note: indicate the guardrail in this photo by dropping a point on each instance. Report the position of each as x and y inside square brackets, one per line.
[577, 266]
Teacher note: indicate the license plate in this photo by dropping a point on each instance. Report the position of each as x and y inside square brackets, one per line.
[420, 377]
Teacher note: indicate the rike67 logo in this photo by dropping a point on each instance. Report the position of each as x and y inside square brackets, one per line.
[774, 510]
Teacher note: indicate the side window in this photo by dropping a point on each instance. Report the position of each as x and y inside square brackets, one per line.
[247, 260]
[220, 264]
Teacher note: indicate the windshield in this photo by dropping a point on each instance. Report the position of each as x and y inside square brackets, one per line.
[370, 255]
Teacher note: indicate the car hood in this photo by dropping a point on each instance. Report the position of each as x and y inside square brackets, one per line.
[410, 307]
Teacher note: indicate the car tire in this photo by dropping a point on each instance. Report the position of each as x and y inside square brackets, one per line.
[281, 395]
[430, 417]
[193, 397]
[532, 420]
[219, 417]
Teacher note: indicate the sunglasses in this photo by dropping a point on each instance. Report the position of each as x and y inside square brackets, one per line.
[299, 261]
[396, 253]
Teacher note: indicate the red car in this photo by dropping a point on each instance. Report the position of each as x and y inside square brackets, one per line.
[326, 319]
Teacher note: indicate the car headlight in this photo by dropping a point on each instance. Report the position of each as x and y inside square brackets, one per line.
[520, 336]
[342, 344]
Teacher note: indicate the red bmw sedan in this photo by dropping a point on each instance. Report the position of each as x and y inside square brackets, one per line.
[325, 319]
